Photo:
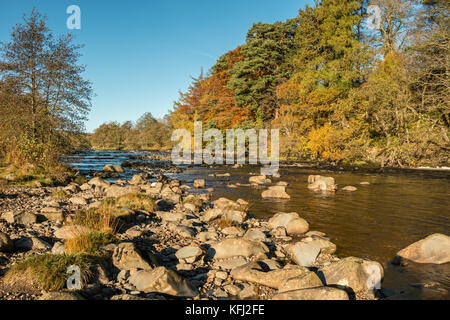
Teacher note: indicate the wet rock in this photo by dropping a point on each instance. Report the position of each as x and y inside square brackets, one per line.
[189, 254]
[25, 218]
[322, 293]
[260, 180]
[253, 272]
[350, 189]
[113, 168]
[162, 280]
[353, 274]
[127, 256]
[6, 245]
[276, 192]
[434, 249]
[319, 183]
[60, 296]
[235, 247]
[199, 184]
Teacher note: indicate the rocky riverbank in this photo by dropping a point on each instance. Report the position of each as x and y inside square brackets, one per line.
[185, 246]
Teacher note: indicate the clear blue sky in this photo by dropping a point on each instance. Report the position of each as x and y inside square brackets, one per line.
[139, 54]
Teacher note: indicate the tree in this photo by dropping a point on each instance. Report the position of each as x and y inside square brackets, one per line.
[262, 68]
[44, 71]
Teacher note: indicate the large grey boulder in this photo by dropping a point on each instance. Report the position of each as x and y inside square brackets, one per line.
[321, 294]
[353, 275]
[434, 249]
[162, 280]
[235, 247]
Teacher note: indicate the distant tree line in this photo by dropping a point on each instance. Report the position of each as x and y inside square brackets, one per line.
[147, 134]
[337, 89]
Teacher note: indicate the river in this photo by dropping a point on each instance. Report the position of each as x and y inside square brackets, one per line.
[395, 210]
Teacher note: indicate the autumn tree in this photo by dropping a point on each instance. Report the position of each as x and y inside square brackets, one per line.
[43, 73]
[255, 77]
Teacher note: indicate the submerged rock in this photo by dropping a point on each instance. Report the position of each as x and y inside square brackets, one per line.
[434, 249]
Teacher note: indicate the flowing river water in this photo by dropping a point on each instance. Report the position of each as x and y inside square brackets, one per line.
[395, 210]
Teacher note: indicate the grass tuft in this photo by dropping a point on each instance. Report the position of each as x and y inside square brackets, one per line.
[48, 272]
[89, 243]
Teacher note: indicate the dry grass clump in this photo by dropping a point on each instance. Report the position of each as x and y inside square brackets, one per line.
[137, 202]
[89, 243]
[101, 220]
[48, 272]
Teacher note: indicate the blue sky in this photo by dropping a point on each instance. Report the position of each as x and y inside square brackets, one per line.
[139, 54]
